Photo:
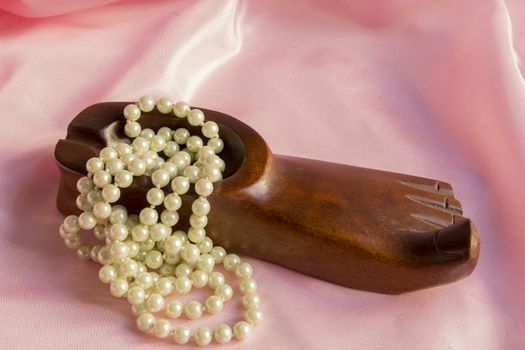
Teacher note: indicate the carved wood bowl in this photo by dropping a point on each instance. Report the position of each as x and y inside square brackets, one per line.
[360, 228]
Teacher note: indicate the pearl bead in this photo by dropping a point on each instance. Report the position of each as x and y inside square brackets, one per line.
[148, 216]
[181, 109]
[169, 218]
[136, 295]
[118, 287]
[205, 262]
[140, 144]
[71, 224]
[251, 301]
[212, 172]
[129, 267]
[192, 173]
[224, 291]
[157, 143]
[85, 184]
[181, 335]
[160, 178]
[154, 259]
[162, 328]
[147, 134]
[83, 203]
[172, 201]
[132, 129]
[155, 196]
[145, 280]
[164, 286]
[196, 235]
[164, 106]
[73, 242]
[190, 253]
[166, 269]
[198, 221]
[202, 336]
[181, 135]
[171, 148]
[140, 233]
[206, 245]
[155, 302]
[214, 304]
[244, 270]
[132, 112]
[199, 278]
[241, 330]
[183, 270]
[146, 103]
[248, 286]
[215, 279]
[123, 149]
[124, 178]
[180, 185]
[133, 248]
[210, 129]
[216, 144]
[170, 168]
[174, 309]
[119, 215]
[195, 117]
[87, 221]
[182, 285]
[200, 206]
[253, 316]
[119, 250]
[194, 143]
[193, 310]
[204, 187]
[108, 153]
[111, 193]
[159, 232]
[223, 333]
[118, 232]
[94, 164]
[231, 261]
[101, 178]
[114, 166]
[147, 245]
[94, 196]
[104, 255]
[93, 254]
[173, 245]
[145, 322]
[137, 167]
[218, 254]
[107, 274]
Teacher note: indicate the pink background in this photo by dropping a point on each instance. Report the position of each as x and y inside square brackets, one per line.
[430, 88]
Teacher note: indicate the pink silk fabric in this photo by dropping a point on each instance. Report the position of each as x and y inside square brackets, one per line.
[430, 88]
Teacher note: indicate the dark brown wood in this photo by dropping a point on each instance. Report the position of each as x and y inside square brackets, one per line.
[360, 228]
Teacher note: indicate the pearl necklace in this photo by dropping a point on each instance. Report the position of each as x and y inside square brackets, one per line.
[143, 259]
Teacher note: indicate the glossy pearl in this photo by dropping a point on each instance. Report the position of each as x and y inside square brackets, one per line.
[114, 166]
[87, 221]
[160, 178]
[101, 178]
[195, 117]
[223, 333]
[253, 316]
[132, 112]
[214, 304]
[180, 185]
[181, 135]
[194, 143]
[107, 274]
[119, 287]
[196, 235]
[216, 144]
[182, 335]
[148, 216]
[244, 270]
[154, 259]
[248, 286]
[164, 286]
[192, 173]
[118, 232]
[136, 295]
[224, 291]
[182, 285]
[155, 302]
[124, 178]
[199, 278]
[190, 253]
[193, 310]
[111, 193]
[169, 217]
[181, 109]
[162, 328]
[231, 261]
[204, 187]
[132, 129]
[174, 309]
[146, 103]
[251, 301]
[140, 233]
[210, 129]
[215, 279]
[155, 196]
[108, 153]
[94, 164]
[164, 106]
[218, 254]
[198, 221]
[137, 167]
[145, 322]
[145, 280]
[173, 245]
[202, 336]
[241, 330]
[205, 262]
[200, 206]
[85, 184]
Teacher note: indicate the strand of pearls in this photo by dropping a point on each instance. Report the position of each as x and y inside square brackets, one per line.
[144, 259]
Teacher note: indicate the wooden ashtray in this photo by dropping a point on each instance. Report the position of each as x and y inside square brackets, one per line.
[360, 228]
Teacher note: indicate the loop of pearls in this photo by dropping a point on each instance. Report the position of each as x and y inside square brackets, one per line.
[144, 259]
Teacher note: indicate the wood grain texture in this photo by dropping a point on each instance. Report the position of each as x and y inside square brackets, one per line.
[360, 228]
